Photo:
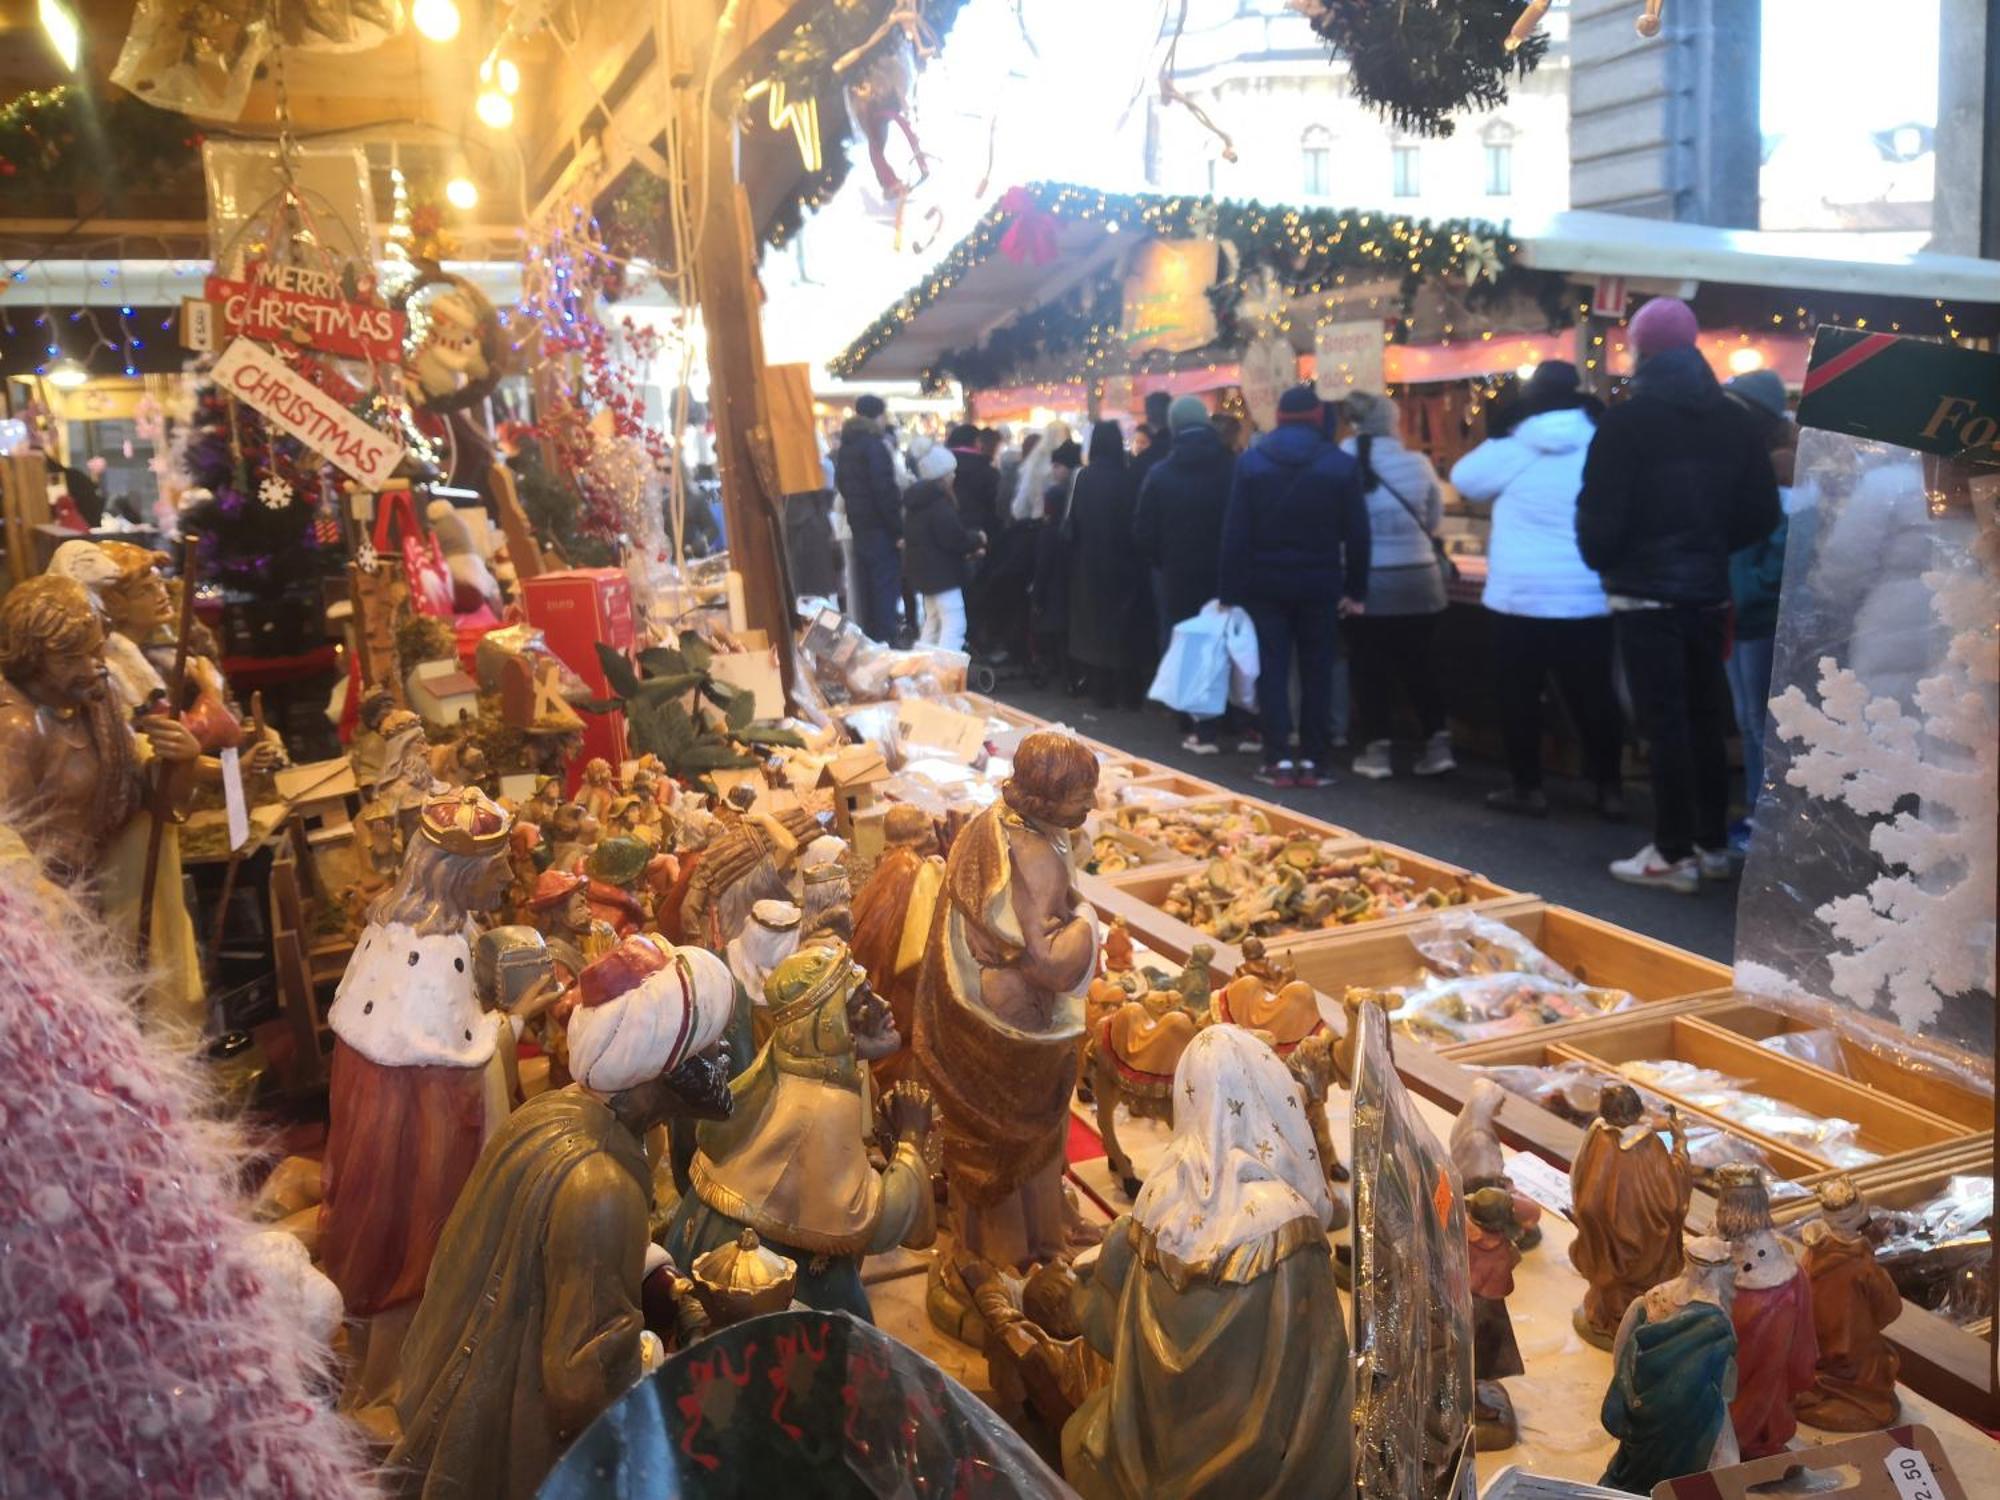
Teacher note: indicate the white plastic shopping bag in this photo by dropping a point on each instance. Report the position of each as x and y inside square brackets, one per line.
[1240, 636]
[1194, 673]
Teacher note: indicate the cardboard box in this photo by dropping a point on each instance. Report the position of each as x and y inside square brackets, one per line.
[575, 608]
[1904, 1463]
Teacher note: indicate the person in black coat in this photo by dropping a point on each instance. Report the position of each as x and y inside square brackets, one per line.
[1048, 592]
[1178, 528]
[1295, 542]
[1109, 614]
[865, 475]
[1676, 479]
[936, 548]
[976, 488]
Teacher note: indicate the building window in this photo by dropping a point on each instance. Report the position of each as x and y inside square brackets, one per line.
[1316, 161]
[1500, 169]
[1405, 180]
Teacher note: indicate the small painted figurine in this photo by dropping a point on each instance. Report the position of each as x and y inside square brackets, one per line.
[1854, 1299]
[598, 789]
[1675, 1375]
[409, 1103]
[568, 836]
[532, 1322]
[892, 920]
[1198, 1297]
[1489, 1233]
[791, 1162]
[1776, 1350]
[999, 1006]
[560, 908]
[617, 890]
[827, 896]
[1475, 1151]
[1629, 1195]
[771, 936]
[1117, 951]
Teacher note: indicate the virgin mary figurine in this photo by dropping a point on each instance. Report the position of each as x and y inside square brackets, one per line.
[1214, 1300]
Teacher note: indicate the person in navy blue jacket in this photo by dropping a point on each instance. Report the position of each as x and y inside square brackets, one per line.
[1295, 556]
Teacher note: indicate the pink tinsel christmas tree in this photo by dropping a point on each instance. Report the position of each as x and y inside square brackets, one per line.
[144, 1348]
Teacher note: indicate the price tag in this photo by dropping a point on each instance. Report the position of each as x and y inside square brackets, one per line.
[1911, 1473]
[235, 808]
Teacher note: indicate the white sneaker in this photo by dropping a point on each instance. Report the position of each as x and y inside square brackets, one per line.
[1648, 867]
[1716, 864]
[1373, 762]
[1437, 757]
[1194, 744]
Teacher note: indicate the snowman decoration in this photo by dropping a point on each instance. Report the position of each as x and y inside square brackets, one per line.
[451, 356]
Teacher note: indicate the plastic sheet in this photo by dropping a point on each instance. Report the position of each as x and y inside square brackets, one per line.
[1871, 874]
[1940, 1251]
[851, 668]
[1831, 1140]
[1412, 1291]
[799, 1403]
[1491, 981]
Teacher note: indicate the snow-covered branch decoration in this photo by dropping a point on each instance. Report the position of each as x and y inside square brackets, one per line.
[1922, 930]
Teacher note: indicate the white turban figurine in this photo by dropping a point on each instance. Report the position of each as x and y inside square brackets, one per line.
[643, 1009]
[770, 937]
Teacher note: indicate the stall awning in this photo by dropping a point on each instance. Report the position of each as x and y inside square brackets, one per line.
[1583, 244]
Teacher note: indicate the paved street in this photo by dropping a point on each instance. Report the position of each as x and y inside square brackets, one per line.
[1561, 858]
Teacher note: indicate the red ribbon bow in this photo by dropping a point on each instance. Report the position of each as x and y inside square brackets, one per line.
[1032, 235]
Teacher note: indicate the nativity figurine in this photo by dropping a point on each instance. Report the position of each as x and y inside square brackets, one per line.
[1777, 1352]
[412, 1095]
[560, 909]
[1475, 1151]
[75, 781]
[598, 789]
[892, 921]
[532, 1322]
[827, 896]
[999, 1005]
[1674, 1375]
[770, 937]
[1853, 1300]
[1492, 1256]
[1198, 1297]
[1629, 1194]
[791, 1161]
[618, 889]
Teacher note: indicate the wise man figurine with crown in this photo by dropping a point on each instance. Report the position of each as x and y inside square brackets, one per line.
[415, 1085]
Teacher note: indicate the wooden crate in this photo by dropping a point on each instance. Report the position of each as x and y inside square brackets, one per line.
[1595, 952]
[1182, 786]
[1150, 887]
[1886, 1126]
[1935, 1094]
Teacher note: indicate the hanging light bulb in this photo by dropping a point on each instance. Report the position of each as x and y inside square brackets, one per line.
[461, 193]
[67, 375]
[509, 76]
[495, 109]
[435, 20]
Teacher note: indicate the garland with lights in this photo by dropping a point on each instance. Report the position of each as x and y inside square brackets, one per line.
[1306, 250]
[1422, 61]
[61, 140]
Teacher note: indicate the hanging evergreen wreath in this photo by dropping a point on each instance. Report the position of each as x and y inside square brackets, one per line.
[1420, 62]
[62, 140]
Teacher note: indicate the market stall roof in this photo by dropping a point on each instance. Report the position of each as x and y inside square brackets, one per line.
[1581, 242]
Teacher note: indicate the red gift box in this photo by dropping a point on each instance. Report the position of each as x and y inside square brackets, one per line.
[575, 608]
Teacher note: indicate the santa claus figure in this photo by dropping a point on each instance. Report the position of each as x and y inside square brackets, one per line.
[415, 1080]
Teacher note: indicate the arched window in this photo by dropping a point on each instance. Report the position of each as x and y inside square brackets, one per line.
[1499, 145]
[1316, 162]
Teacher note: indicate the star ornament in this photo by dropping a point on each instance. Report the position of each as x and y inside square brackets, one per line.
[274, 493]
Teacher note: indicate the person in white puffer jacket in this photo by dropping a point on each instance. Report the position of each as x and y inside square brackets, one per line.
[1550, 616]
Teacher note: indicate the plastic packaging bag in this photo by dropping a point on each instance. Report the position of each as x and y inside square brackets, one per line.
[1244, 666]
[1479, 1007]
[1469, 943]
[1194, 673]
[1831, 1140]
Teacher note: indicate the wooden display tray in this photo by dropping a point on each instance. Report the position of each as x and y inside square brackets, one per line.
[1150, 886]
[1594, 951]
[1280, 820]
[1927, 1091]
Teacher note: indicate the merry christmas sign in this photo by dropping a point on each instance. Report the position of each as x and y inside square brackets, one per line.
[290, 402]
[300, 305]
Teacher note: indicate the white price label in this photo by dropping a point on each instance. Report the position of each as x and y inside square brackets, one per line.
[1911, 1473]
[234, 807]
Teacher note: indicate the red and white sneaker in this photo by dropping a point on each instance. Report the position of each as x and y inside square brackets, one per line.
[1650, 867]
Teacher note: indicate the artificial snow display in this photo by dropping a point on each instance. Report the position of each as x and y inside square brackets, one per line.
[1871, 877]
[152, 1344]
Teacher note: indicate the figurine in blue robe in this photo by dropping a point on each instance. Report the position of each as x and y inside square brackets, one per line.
[1675, 1375]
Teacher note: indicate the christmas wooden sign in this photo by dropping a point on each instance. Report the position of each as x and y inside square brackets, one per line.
[287, 400]
[302, 306]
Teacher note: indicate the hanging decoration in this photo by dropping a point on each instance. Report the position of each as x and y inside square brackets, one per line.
[63, 141]
[200, 57]
[451, 351]
[274, 493]
[1648, 24]
[1420, 62]
[798, 115]
[1031, 233]
[878, 98]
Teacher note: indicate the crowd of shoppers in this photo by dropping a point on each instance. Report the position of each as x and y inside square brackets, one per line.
[1644, 541]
